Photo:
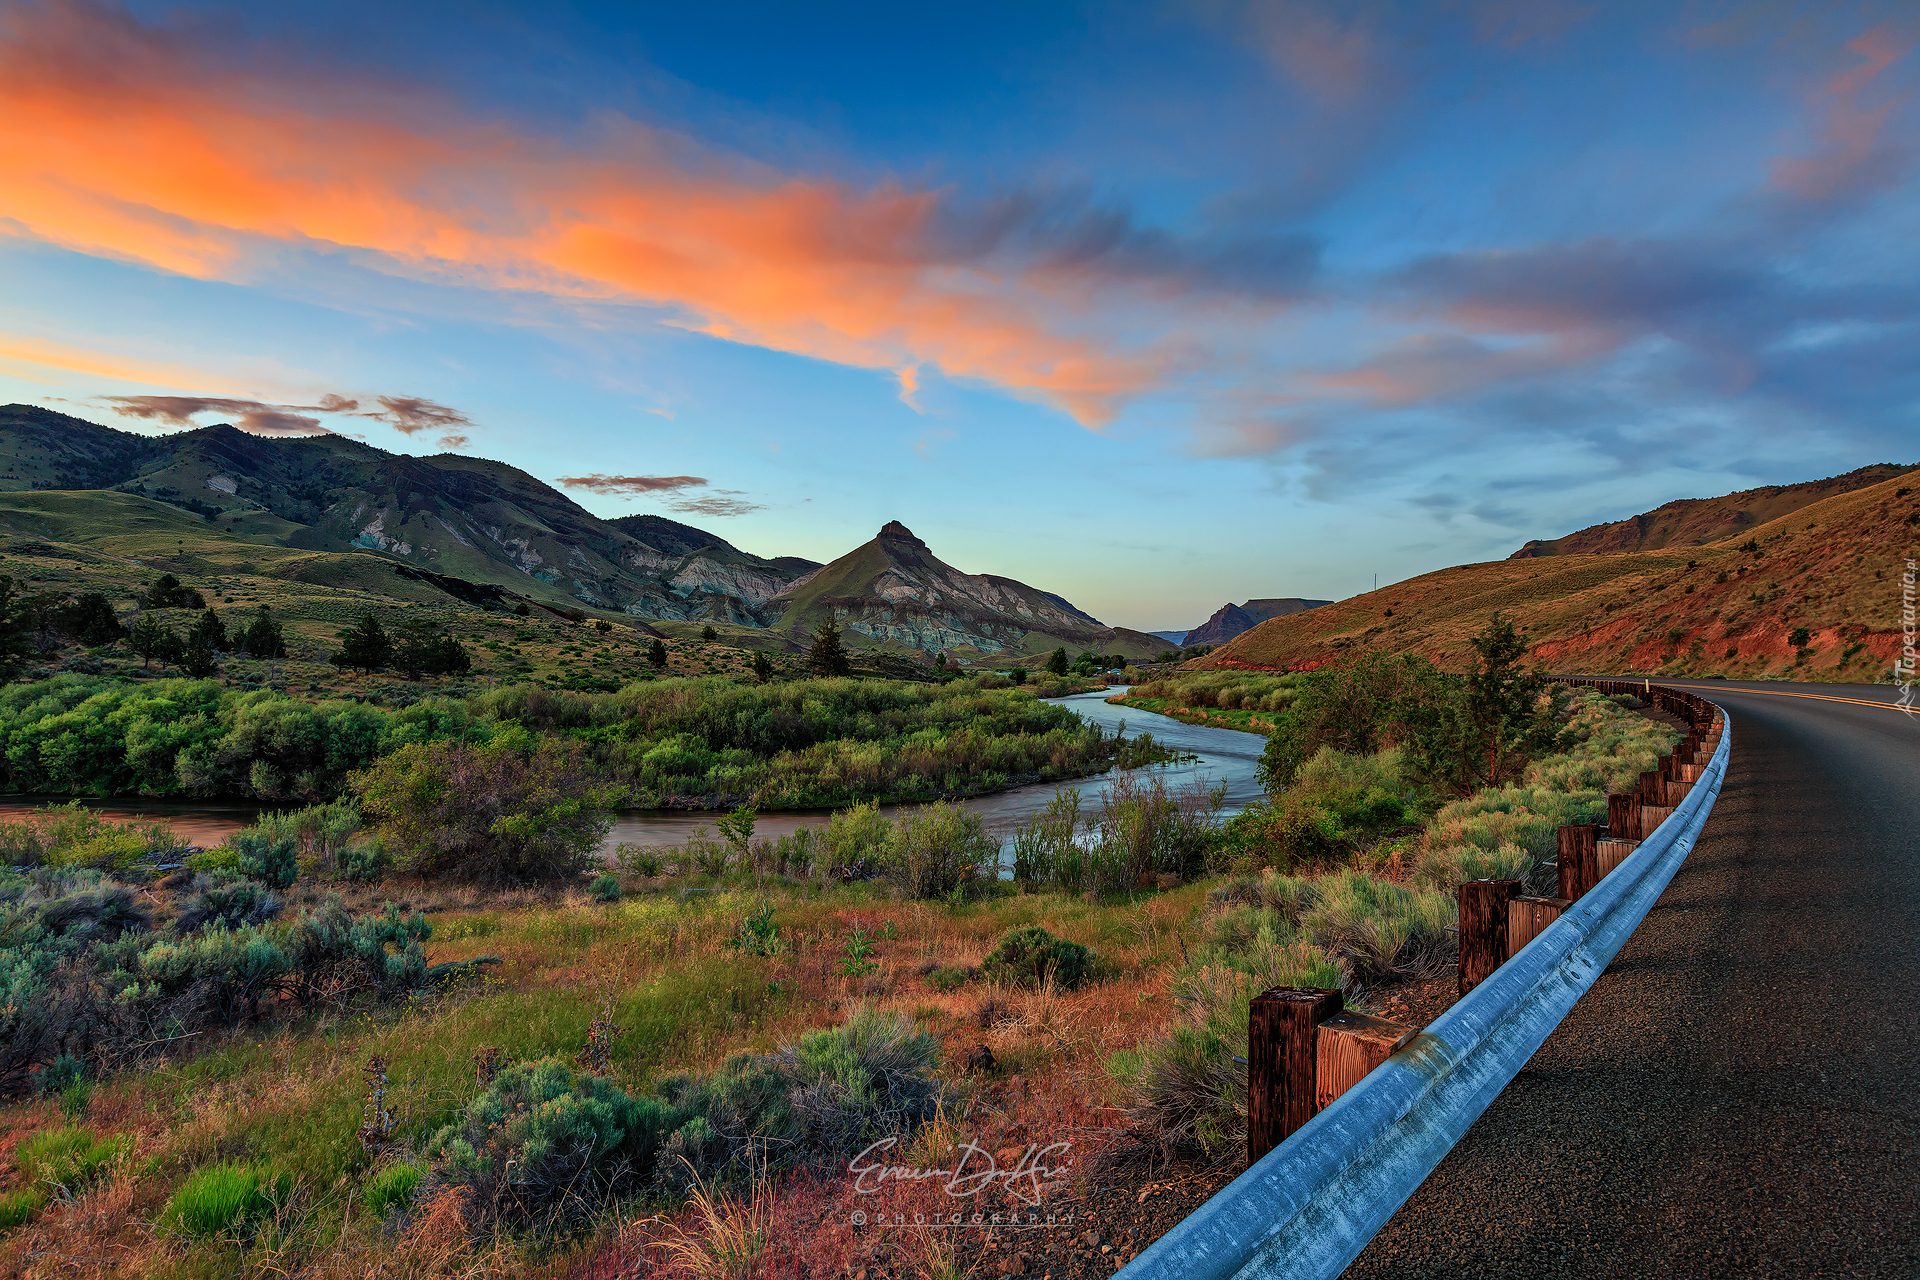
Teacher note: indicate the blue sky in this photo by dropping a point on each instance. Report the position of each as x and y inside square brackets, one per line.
[1154, 306]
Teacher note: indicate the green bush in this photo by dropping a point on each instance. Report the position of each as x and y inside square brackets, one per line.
[870, 1077]
[757, 934]
[225, 898]
[224, 1199]
[949, 978]
[941, 850]
[16, 1207]
[605, 889]
[1029, 954]
[547, 1142]
[364, 862]
[391, 1188]
[1381, 930]
[271, 859]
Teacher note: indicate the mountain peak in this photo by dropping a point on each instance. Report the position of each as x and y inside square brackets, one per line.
[894, 529]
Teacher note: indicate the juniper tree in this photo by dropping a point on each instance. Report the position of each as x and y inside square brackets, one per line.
[828, 657]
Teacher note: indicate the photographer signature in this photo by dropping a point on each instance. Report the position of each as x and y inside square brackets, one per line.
[977, 1170]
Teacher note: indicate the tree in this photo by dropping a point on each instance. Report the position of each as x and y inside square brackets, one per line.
[364, 645]
[262, 638]
[1018, 675]
[91, 621]
[657, 654]
[166, 592]
[1799, 637]
[940, 661]
[418, 648]
[827, 657]
[708, 634]
[762, 668]
[1057, 661]
[16, 641]
[198, 659]
[208, 629]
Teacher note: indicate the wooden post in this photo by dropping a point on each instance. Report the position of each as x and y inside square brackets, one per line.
[1579, 868]
[1282, 1062]
[1650, 790]
[1483, 928]
[1623, 816]
[1526, 917]
[1609, 854]
[1352, 1044]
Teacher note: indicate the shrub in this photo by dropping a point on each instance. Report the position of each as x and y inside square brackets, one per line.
[330, 950]
[856, 841]
[605, 889]
[1046, 848]
[640, 859]
[226, 899]
[223, 1199]
[1144, 829]
[365, 862]
[941, 850]
[870, 1077]
[1030, 954]
[757, 934]
[1381, 930]
[493, 814]
[546, 1142]
[391, 1188]
[949, 978]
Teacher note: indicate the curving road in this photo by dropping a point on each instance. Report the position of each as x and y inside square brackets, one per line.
[1739, 1093]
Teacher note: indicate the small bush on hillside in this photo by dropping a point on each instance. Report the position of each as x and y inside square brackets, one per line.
[226, 899]
[329, 950]
[870, 1077]
[1047, 848]
[1381, 930]
[604, 889]
[546, 1142]
[949, 978]
[1028, 956]
[224, 1199]
[364, 862]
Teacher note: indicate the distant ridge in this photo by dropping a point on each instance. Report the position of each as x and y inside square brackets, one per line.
[1694, 522]
[892, 592]
[1232, 620]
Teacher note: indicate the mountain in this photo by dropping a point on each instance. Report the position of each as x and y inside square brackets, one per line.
[466, 518]
[1695, 522]
[1175, 638]
[1731, 607]
[1236, 619]
[894, 593]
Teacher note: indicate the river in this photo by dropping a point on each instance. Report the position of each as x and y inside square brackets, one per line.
[1223, 755]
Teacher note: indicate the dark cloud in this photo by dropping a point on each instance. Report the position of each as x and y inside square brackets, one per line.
[253, 416]
[598, 483]
[408, 414]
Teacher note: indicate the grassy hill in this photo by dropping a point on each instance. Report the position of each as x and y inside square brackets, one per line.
[1696, 522]
[893, 594]
[1730, 607]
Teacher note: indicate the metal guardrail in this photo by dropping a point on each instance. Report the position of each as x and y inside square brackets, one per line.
[1310, 1205]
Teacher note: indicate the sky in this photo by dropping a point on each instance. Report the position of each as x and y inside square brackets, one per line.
[1151, 305]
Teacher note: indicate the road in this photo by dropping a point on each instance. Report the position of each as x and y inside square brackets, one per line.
[1739, 1093]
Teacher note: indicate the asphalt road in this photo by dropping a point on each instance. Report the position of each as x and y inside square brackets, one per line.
[1739, 1093]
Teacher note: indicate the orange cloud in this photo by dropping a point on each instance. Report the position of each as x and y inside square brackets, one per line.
[134, 143]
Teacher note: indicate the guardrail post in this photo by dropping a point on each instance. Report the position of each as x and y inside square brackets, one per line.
[1283, 1062]
[1579, 860]
[1351, 1044]
[1623, 816]
[1483, 928]
[1527, 917]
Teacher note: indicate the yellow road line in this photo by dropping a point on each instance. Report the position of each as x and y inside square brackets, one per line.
[1783, 693]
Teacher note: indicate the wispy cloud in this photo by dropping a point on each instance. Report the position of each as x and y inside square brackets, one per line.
[410, 414]
[599, 483]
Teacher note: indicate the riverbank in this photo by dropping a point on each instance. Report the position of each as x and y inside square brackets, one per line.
[1259, 722]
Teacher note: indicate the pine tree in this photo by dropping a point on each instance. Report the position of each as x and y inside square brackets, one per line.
[148, 638]
[828, 657]
[762, 669]
[365, 646]
[198, 658]
[262, 638]
[1057, 661]
[657, 654]
[708, 634]
[91, 620]
[210, 631]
